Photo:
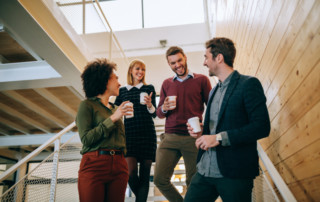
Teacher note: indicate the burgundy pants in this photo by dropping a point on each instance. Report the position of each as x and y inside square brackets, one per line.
[102, 177]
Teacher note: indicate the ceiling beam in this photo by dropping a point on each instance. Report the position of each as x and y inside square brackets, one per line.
[27, 71]
[3, 59]
[27, 148]
[56, 101]
[30, 84]
[4, 132]
[11, 154]
[25, 118]
[20, 41]
[30, 105]
[35, 140]
[76, 93]
[13, 125]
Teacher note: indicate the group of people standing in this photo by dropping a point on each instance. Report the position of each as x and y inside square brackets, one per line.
[220, 160]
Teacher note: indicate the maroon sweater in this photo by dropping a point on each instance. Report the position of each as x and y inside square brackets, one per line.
[191, 96]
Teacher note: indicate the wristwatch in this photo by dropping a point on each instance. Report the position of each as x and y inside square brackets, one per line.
[219, 138]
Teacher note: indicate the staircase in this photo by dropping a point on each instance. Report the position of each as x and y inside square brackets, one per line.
[55, 178]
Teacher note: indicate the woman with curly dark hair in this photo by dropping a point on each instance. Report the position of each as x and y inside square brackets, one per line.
[103, 173]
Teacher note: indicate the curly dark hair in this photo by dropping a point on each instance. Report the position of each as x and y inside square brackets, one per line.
[96, 75]
[224, 46]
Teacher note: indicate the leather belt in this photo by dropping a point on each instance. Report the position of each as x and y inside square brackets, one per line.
[110, 152]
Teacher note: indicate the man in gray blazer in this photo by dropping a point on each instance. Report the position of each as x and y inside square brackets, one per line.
[236, 117]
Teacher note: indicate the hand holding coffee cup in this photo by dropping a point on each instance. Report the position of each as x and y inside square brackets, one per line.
[172, 102]
[145, 99]
[169, 103]
[120, 112]
[194, 127]
[142, 98]
[128, 107]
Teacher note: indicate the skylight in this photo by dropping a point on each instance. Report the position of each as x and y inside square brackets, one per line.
[132, 14]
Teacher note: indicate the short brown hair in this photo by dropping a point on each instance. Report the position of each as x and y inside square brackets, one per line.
[96, 75]
[224, 46]
[173, 50]
[129, 75]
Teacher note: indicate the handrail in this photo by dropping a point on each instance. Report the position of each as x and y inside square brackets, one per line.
[12, 169]
[277, 179]
[111, 32]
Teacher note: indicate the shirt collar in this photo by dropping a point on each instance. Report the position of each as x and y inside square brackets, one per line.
[190, 74]
[98, 99]
[226, 81]
[93, 98]
[129, 87]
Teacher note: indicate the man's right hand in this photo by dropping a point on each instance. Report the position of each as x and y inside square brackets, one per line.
[193, 134]
[167, 104]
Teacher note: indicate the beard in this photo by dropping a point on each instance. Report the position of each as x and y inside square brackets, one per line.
[184, 72]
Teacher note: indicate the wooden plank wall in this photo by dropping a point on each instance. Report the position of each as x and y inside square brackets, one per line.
[278, 41]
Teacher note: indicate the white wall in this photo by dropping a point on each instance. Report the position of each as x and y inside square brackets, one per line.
[144, 44]
[157, 68]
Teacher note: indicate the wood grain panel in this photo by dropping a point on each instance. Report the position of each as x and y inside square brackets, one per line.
[65, 95]
[306, 96]
[306, 190]
[34, 97]
[296, 77]
[304, 38]
[280, 46]
[294, 168]
[231, 14]
[24, 110]
[301, 12]
[256, 12]
[278, 31]
[258, 33]
[255, 35]
[242, 10]
[295, 138]
[11, 50]
[262, 42]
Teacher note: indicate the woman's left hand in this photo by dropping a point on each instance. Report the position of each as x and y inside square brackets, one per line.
[148, 100]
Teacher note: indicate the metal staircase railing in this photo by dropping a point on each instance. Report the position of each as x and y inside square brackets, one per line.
[40, 183]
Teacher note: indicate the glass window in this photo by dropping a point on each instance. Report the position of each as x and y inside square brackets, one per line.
[123, 14]
[159, 13]
[127, 14]
[74, 15]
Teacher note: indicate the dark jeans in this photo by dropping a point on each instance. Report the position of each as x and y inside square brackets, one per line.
[208, 189]
[102, 178]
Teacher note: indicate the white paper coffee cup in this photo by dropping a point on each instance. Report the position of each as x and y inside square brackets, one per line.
[173, 98]
[195, 124]
[142, 95]
[131, 115]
